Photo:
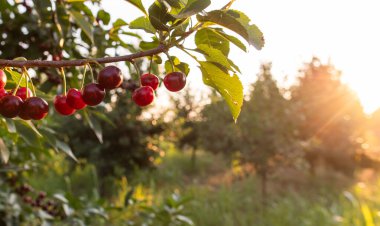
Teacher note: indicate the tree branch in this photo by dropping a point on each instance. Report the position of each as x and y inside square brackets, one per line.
[81, 62]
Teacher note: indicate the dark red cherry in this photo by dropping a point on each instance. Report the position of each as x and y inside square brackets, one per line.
[21, 92]
[10, 106]
[3, 79]
[110, 77]
[149, 80]
[34, 108]
[3, 92]
[61, 106]
[143, 96]
[93, 94]
[75, 99]
[175, 81]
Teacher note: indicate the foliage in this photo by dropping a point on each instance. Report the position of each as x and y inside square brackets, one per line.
[331, 116]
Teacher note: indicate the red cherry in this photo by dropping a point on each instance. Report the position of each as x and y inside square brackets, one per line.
[143, 96]
[75, 99]
[110, 77]
[23, 114]
[3, 92]
[21, 92]
[10, 106]
[175, 81]
[149, 80]
[61, 106]
[93, 94]
[3, 79]
[34, 108]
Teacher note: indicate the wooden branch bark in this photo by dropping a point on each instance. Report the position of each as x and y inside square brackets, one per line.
[81, 62]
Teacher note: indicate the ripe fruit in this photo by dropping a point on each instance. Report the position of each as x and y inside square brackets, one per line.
[149, 80]
[75, 99]
[21, 92]
[3, 79]
[93, 94]
[3, 92]
[34, 108]
[175, 81]
[110, 77]
[61, 106]
[143, 96]
[10, 106]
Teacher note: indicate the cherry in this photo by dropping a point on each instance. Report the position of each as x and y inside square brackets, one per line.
[3, 79]
[21, 92]
[75, 99]
[10, 106]
[93, 94]
[143, 96]
[149, 80]
[34, 108]
[175, 81]
[61, 106]
[110, 77]
[3, 92]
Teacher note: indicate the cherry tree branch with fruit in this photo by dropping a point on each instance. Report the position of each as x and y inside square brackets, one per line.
[168, 23]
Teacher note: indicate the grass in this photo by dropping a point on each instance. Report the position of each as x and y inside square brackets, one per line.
[222, 195]
[221, 198]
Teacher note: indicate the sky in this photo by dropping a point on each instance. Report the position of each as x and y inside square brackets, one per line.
[344, 32]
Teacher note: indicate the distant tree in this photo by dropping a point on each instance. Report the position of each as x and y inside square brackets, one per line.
[186, 123]
[331, 116]
[266, 126]
[264, 133]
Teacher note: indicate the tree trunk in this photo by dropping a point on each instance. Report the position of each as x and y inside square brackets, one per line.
[193, 156]
[263, 177]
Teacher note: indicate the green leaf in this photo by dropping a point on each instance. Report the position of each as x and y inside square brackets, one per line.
[104, 17]
[119, 23]
[228, 86]
[94, 125]
[178, 66]
[175, 3]
[142, 23]
[16, 78]
[237, 22]
[159, 16]
[232, 39]
[4, 152]
[138, 4]
[215, 56]
[149, 45]
[193, 7]
[28, 132]
[81, 21]
[10, 125]
[66, 149]
[211, 38]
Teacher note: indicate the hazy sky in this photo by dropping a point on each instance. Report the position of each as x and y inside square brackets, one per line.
[345, 31]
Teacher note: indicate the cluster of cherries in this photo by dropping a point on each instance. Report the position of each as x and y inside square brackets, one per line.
[36, 199]
[26, 106]
[22, 104]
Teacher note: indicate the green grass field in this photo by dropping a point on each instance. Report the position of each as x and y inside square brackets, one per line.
[221, 197]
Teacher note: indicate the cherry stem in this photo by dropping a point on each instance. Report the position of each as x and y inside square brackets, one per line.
[92, 73]
[170, 60]
[25, 71]
[64, 81]
[27, 88]
[97, 63]
[150, 64]
[84, 76]
[18, 84]
[137, 71]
